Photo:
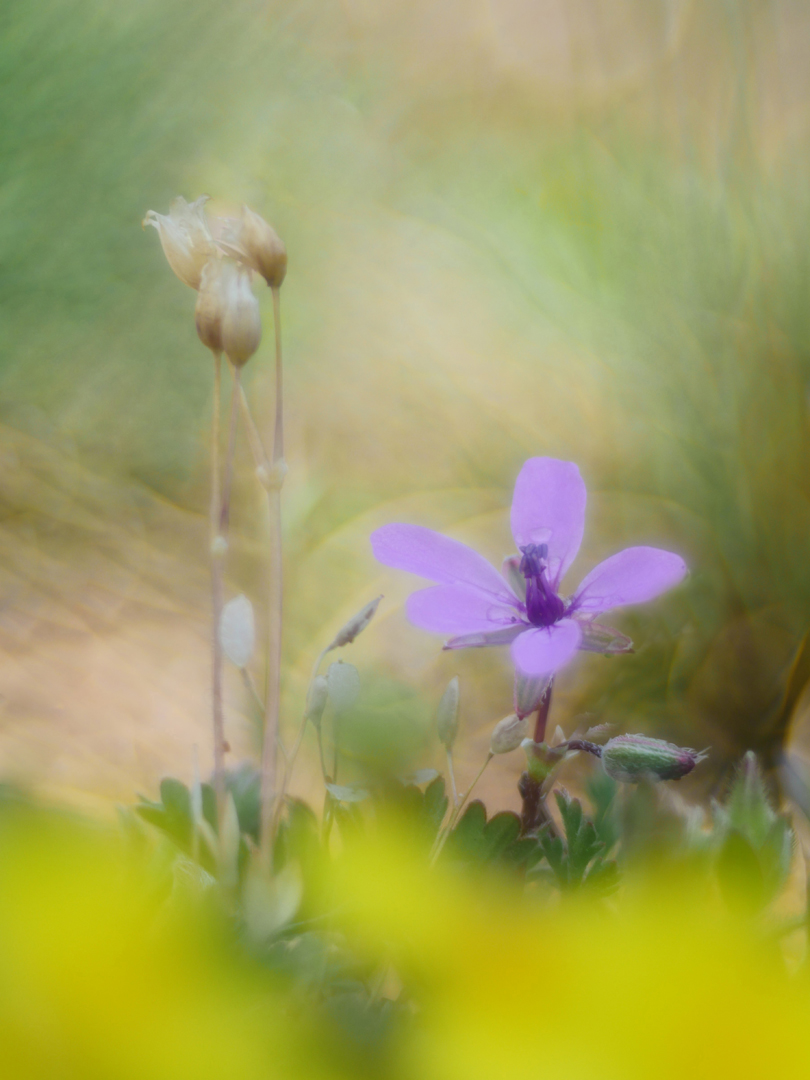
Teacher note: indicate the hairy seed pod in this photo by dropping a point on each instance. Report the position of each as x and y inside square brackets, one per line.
[631, 758]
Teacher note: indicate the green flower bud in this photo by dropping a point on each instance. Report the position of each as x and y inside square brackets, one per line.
[631, 758]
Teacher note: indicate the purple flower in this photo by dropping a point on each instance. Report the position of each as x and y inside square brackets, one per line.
[523, 607]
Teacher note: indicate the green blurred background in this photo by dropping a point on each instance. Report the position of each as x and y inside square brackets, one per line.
[515, 227]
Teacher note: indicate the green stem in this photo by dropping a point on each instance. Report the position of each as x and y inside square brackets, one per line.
[451, 773]
[441, 839]
[299, 738]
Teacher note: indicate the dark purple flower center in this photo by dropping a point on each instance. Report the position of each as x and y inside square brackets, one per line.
[543, 606]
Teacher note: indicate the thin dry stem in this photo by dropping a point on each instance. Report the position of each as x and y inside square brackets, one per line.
[225, 514]
[441, 840]
[216, 593]
[275, 609]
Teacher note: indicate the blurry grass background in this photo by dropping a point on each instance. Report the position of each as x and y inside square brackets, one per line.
[516, 227]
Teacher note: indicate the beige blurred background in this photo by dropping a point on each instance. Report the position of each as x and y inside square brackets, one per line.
[515, 227]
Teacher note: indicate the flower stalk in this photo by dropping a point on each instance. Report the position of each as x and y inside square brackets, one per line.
[217, 590]
[274, 605]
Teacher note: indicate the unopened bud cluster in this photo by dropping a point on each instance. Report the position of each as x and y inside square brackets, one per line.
[217, 257]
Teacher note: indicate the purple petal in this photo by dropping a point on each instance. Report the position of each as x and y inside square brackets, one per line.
[431, 555]
[633, 576]
[544, 650]
[487, 637]
[548, 507]
[453, 609]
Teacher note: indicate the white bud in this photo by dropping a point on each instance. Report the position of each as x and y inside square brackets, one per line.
[356, 624]
[237, 632]
[508, 734]
[185, 237]
[343, 681]
[316, 700]
[447, 714]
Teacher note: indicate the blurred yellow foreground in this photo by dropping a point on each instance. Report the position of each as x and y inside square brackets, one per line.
[112, 967]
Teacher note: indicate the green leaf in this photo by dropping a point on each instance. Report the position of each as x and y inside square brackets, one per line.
[466, 841]
[576, 857]
[499, 832]
[346, 794]
[740, 875]
[776, 855]
[603, 877]
[601, 790]
[435, 803]
[748, 808]
[176, 797]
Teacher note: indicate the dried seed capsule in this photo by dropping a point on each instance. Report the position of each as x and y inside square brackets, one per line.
[209, 307]
[631, 758]
[241, 322]
[508, 734]
[263, 247]
[185, 237]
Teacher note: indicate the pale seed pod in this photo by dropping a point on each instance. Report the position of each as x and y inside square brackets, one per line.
[508, 734]
[263, 247]
[447, 714]
[316, 700]
[631, 758]
[209, 307]
[241, 322]
[356, 625]
[185, 238]
[343, 681]
[237, 633]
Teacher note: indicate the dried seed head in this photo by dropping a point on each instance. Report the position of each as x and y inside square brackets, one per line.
[263, 248]
[209, 308]
[356, 625]
[631, 758]
[241, 326]
[185, 238]
[447, 714]
[508, 734]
